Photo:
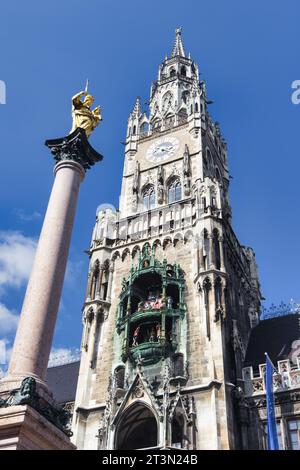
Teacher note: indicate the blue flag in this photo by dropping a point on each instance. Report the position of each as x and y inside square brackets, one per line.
[271, 420]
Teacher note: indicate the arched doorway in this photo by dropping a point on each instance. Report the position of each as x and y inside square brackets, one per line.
[137, 429]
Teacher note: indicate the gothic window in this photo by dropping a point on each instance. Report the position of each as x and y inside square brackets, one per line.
[218, 293]
[205, 166]
[144, 128]
[218, 176]
[134, 130]
[104, 283]
[206, 291]
[149, 197]
[185, 96]
[95, 278]
[196, 108]
[216, 245]
[172, 72]
[183, 71]
[205, 249]
[174, 191]
[191, 108]
[209, 158]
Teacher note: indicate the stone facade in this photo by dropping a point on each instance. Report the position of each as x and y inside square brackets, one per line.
[171, 294]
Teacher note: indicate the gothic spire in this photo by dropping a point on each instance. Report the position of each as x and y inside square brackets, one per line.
[178, 48]
[137, 109]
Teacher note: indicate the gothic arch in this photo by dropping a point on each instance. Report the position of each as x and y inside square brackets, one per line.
[209, 157]
[156, 243]
[136, 250]
[188, 236]
[115, 256]
[125, 253]
[178, 238]
[94, 279]
[137, 428]
[216, 248]
[178, 428]
[167, 241]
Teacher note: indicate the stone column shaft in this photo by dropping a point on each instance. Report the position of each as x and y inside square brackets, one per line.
[36, 328]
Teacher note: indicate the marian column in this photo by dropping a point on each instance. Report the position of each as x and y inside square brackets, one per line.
[28, 366]
[37, 322]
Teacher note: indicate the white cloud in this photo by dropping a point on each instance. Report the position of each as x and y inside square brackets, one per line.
[16, 258]
[59, 356]
[8, 320]
[25, 217]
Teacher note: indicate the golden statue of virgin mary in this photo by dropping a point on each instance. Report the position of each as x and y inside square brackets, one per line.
[82, 114]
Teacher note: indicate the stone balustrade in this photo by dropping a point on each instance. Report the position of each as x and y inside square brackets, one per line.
[287, 377]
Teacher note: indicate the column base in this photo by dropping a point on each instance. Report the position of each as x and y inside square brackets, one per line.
[23, 428]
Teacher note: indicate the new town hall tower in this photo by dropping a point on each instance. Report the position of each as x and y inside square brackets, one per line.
[171, 294]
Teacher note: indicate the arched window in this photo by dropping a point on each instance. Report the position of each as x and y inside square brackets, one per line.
[172, 72]
[218, 175]
[216, 246]
[134, 130]
[149, 197]
[174, 191]
[196, 108]
[144, 128]
[209, 157]
[183, 71]
[95, 278]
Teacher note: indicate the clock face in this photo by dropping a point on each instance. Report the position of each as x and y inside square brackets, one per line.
[162, 150]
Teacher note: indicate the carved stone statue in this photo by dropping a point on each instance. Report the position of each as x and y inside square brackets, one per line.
[135, 187]
[82, 114]
[160, 185]
[186, 172]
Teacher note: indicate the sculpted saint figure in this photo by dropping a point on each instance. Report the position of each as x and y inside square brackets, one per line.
[82, 114]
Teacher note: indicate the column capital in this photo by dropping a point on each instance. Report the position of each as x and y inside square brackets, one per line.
[74, 147]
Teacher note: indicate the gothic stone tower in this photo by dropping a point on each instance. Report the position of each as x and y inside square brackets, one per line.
[171, 294]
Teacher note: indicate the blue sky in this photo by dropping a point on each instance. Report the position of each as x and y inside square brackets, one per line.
[248, 53]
